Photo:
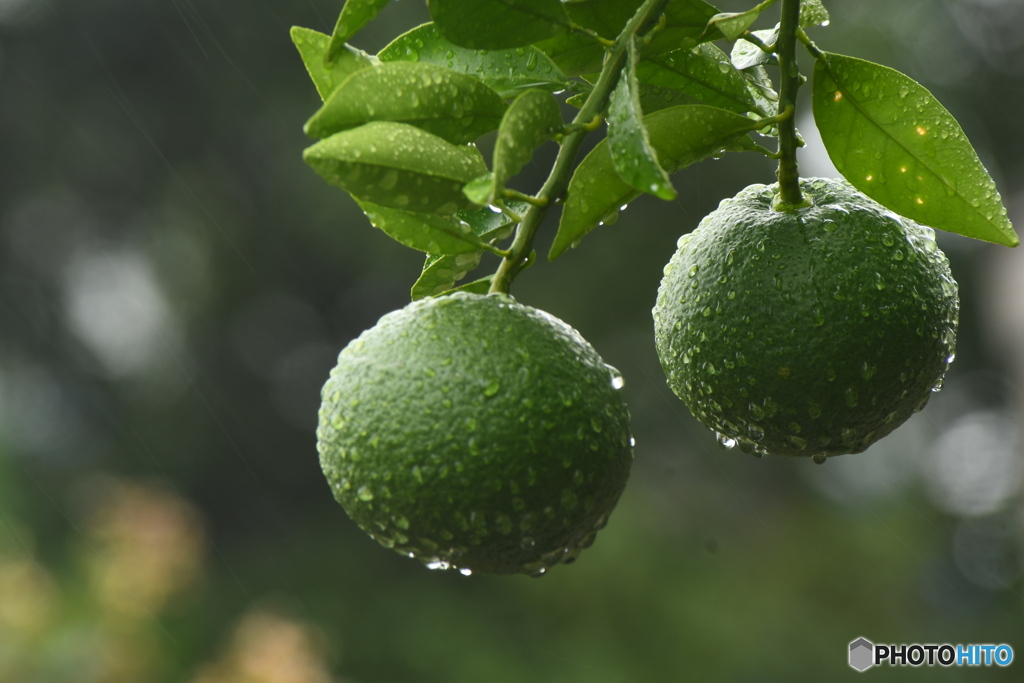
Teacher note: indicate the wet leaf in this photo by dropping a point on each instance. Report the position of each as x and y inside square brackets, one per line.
[761, 88]
[454, 106]
[746, 54]
[813, 13]
[508, 72]
[491, 225]
[655, 98]
[481, 286]
[397, 166]
[312, 46]
[423, 231]
[895, 143]
[531, 119]
[733, 25]
[497, 24]
[652, 98]
[573, 53]
[630, 149]
[679, 135]
[704, 72]
[441, 272]
[355, 14]
[480, 190]
[577, 100]
[686, 22]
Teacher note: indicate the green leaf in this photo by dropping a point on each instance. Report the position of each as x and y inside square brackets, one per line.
[457, 107]
[312, 46]
[531, 119]
[745, 54]
[397, 166]
[704, 72]
[573, 53]
[686, 24]
[423, 231]
[655, 98]
[813, 13]
[628, 144]
[481, 286]
[761, 88]
[355, 14]
[480, 190]
[735, 24]
[679, 135]
[686, 21]
[491, 225]
[441, 272]
[508, 72]
[895, 143]
[606, 17]
[497, 24]
[652, 98]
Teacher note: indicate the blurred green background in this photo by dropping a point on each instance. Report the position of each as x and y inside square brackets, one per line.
[175, 285]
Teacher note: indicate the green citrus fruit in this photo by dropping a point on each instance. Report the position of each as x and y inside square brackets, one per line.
[476, 433]
[814, 332]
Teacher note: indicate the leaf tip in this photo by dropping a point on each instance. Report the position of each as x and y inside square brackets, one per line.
[666, 192]
[310, 128]
[556, 251]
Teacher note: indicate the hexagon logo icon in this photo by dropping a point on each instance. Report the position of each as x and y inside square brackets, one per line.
[862, 654]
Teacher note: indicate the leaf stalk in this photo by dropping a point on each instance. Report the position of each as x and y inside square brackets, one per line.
[558, 180]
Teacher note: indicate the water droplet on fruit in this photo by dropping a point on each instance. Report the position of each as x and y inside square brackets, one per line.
[725, 441]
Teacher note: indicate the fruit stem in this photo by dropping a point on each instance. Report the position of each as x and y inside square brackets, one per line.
[558, 180]
[790, 197]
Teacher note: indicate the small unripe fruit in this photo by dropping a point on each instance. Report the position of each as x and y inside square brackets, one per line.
[476, 433]
[814, 332]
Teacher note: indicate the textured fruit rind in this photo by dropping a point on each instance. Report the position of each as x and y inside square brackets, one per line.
[472, 431]
[812, 333]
